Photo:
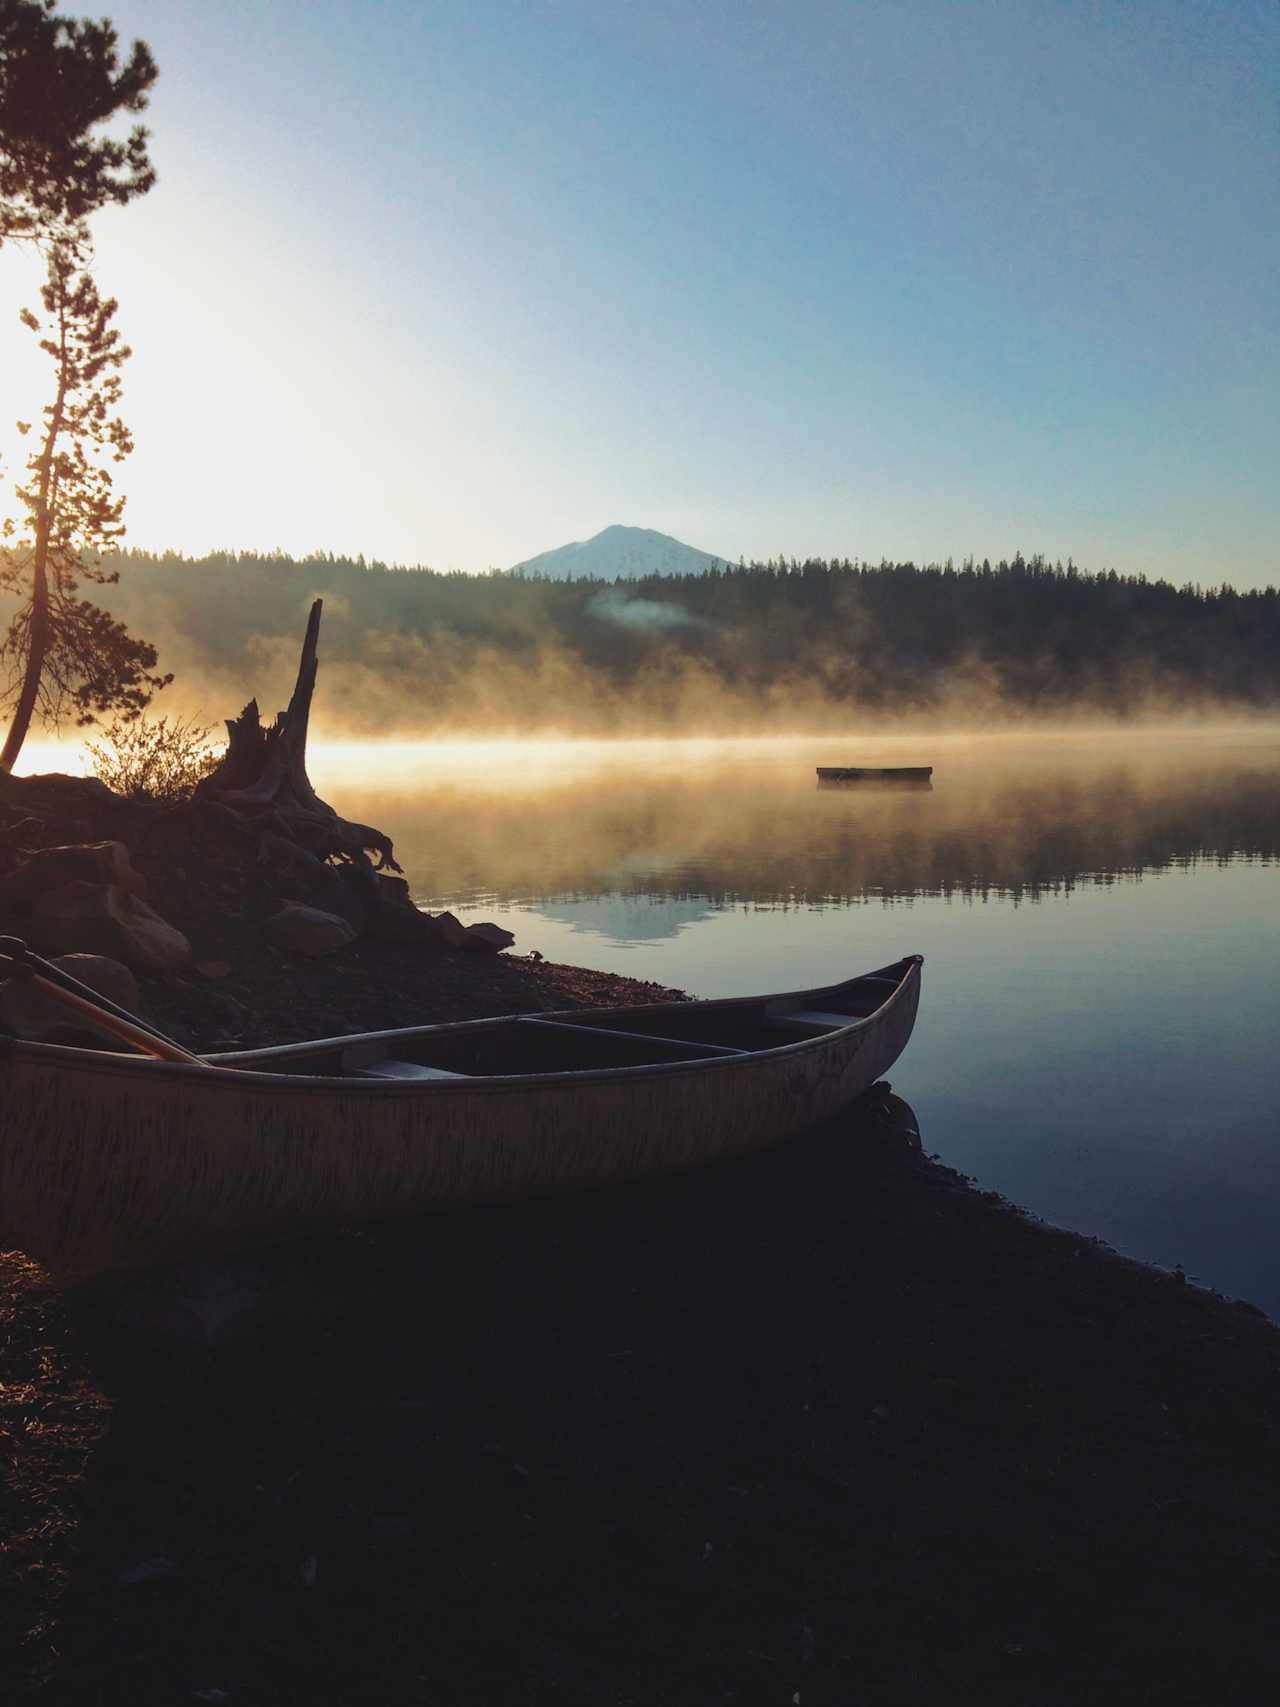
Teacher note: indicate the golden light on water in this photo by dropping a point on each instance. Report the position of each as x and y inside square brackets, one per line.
[400, 766]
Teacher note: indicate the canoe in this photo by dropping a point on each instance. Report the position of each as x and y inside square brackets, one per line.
[875, 773]
[111, 1161]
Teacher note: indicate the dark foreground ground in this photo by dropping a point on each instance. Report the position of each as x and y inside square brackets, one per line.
[826, 1425]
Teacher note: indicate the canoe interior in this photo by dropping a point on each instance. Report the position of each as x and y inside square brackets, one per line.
[585, 1040]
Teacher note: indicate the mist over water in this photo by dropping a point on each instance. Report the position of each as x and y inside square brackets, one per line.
[1099, 916]
[743, 821]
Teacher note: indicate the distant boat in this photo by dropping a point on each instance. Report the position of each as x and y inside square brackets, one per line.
[112, 1161]
[918, 775]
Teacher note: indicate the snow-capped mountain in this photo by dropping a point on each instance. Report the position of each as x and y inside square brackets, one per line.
[632, 552]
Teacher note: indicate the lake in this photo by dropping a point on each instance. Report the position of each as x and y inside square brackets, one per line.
[1099, 915]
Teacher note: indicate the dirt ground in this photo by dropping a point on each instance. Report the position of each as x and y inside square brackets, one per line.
[824, 1425]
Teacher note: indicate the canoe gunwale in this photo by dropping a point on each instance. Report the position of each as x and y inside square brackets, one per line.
[215, 1072]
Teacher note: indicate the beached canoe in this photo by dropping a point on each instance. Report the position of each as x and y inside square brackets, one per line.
[112, 1161]
[875, 773]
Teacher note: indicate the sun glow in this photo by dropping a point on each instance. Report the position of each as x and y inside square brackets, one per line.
[406, 764]
[69, 757]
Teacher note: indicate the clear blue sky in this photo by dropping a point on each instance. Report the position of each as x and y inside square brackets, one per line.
[458, 282]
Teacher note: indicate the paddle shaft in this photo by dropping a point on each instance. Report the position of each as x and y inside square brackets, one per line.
[145, 1041]
[15, 949]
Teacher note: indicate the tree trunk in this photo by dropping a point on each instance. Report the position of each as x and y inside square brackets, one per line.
[37, 647]
[46, 497]
[38, 630]
[263, 776]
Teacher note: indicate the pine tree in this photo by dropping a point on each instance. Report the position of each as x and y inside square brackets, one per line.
[61, 79]
[64, 654]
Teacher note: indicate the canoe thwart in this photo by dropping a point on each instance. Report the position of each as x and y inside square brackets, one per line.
[680, 1045]
[813, 1019]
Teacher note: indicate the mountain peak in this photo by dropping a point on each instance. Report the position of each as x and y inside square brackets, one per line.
[620, 552]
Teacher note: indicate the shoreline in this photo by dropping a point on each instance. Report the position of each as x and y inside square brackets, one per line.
[268, 997]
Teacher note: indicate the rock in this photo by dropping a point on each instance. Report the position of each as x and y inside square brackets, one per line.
[33, 1015]
[53, 868]
[306, 930]
[448, 931]
[394, 892]
[86, 790]
[392, 924]
[393, 918]
[488, 939]
[288, 856]
[410, 924]
[101, 918]
[346, 890]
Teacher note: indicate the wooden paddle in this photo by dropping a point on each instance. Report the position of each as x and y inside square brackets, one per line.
[93, 1008]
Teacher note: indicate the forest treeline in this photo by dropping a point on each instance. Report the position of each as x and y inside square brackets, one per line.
[420, 648]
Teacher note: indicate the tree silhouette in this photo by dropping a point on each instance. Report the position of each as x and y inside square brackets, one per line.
[60, 80]
[63, 652]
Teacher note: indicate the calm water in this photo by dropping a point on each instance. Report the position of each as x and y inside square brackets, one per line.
[1100, 920]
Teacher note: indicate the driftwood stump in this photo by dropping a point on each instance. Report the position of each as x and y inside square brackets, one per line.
[263, 777]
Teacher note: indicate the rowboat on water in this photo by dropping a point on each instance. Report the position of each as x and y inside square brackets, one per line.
[112, 1161]
[917, 774]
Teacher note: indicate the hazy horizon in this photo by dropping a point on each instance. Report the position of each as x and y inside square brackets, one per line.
[388, 761]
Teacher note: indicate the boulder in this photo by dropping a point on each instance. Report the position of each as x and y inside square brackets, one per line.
[37, 1016]
[87, 787]
[446, 930]
[395, 923]
[306, 930]
[101, 918]
[391, 916]
[488, 939]
[68, 792]
[53, 868]
[393, 892]
[350, 891]
[286, 855]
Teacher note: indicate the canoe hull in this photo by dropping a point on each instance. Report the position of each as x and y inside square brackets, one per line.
[109, 1162]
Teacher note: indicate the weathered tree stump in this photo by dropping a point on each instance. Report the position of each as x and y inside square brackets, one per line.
[263, 777]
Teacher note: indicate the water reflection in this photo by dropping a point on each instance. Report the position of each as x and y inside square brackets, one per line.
[865, 785]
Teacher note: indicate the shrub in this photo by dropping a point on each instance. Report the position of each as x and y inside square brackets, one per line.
[153, 758]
